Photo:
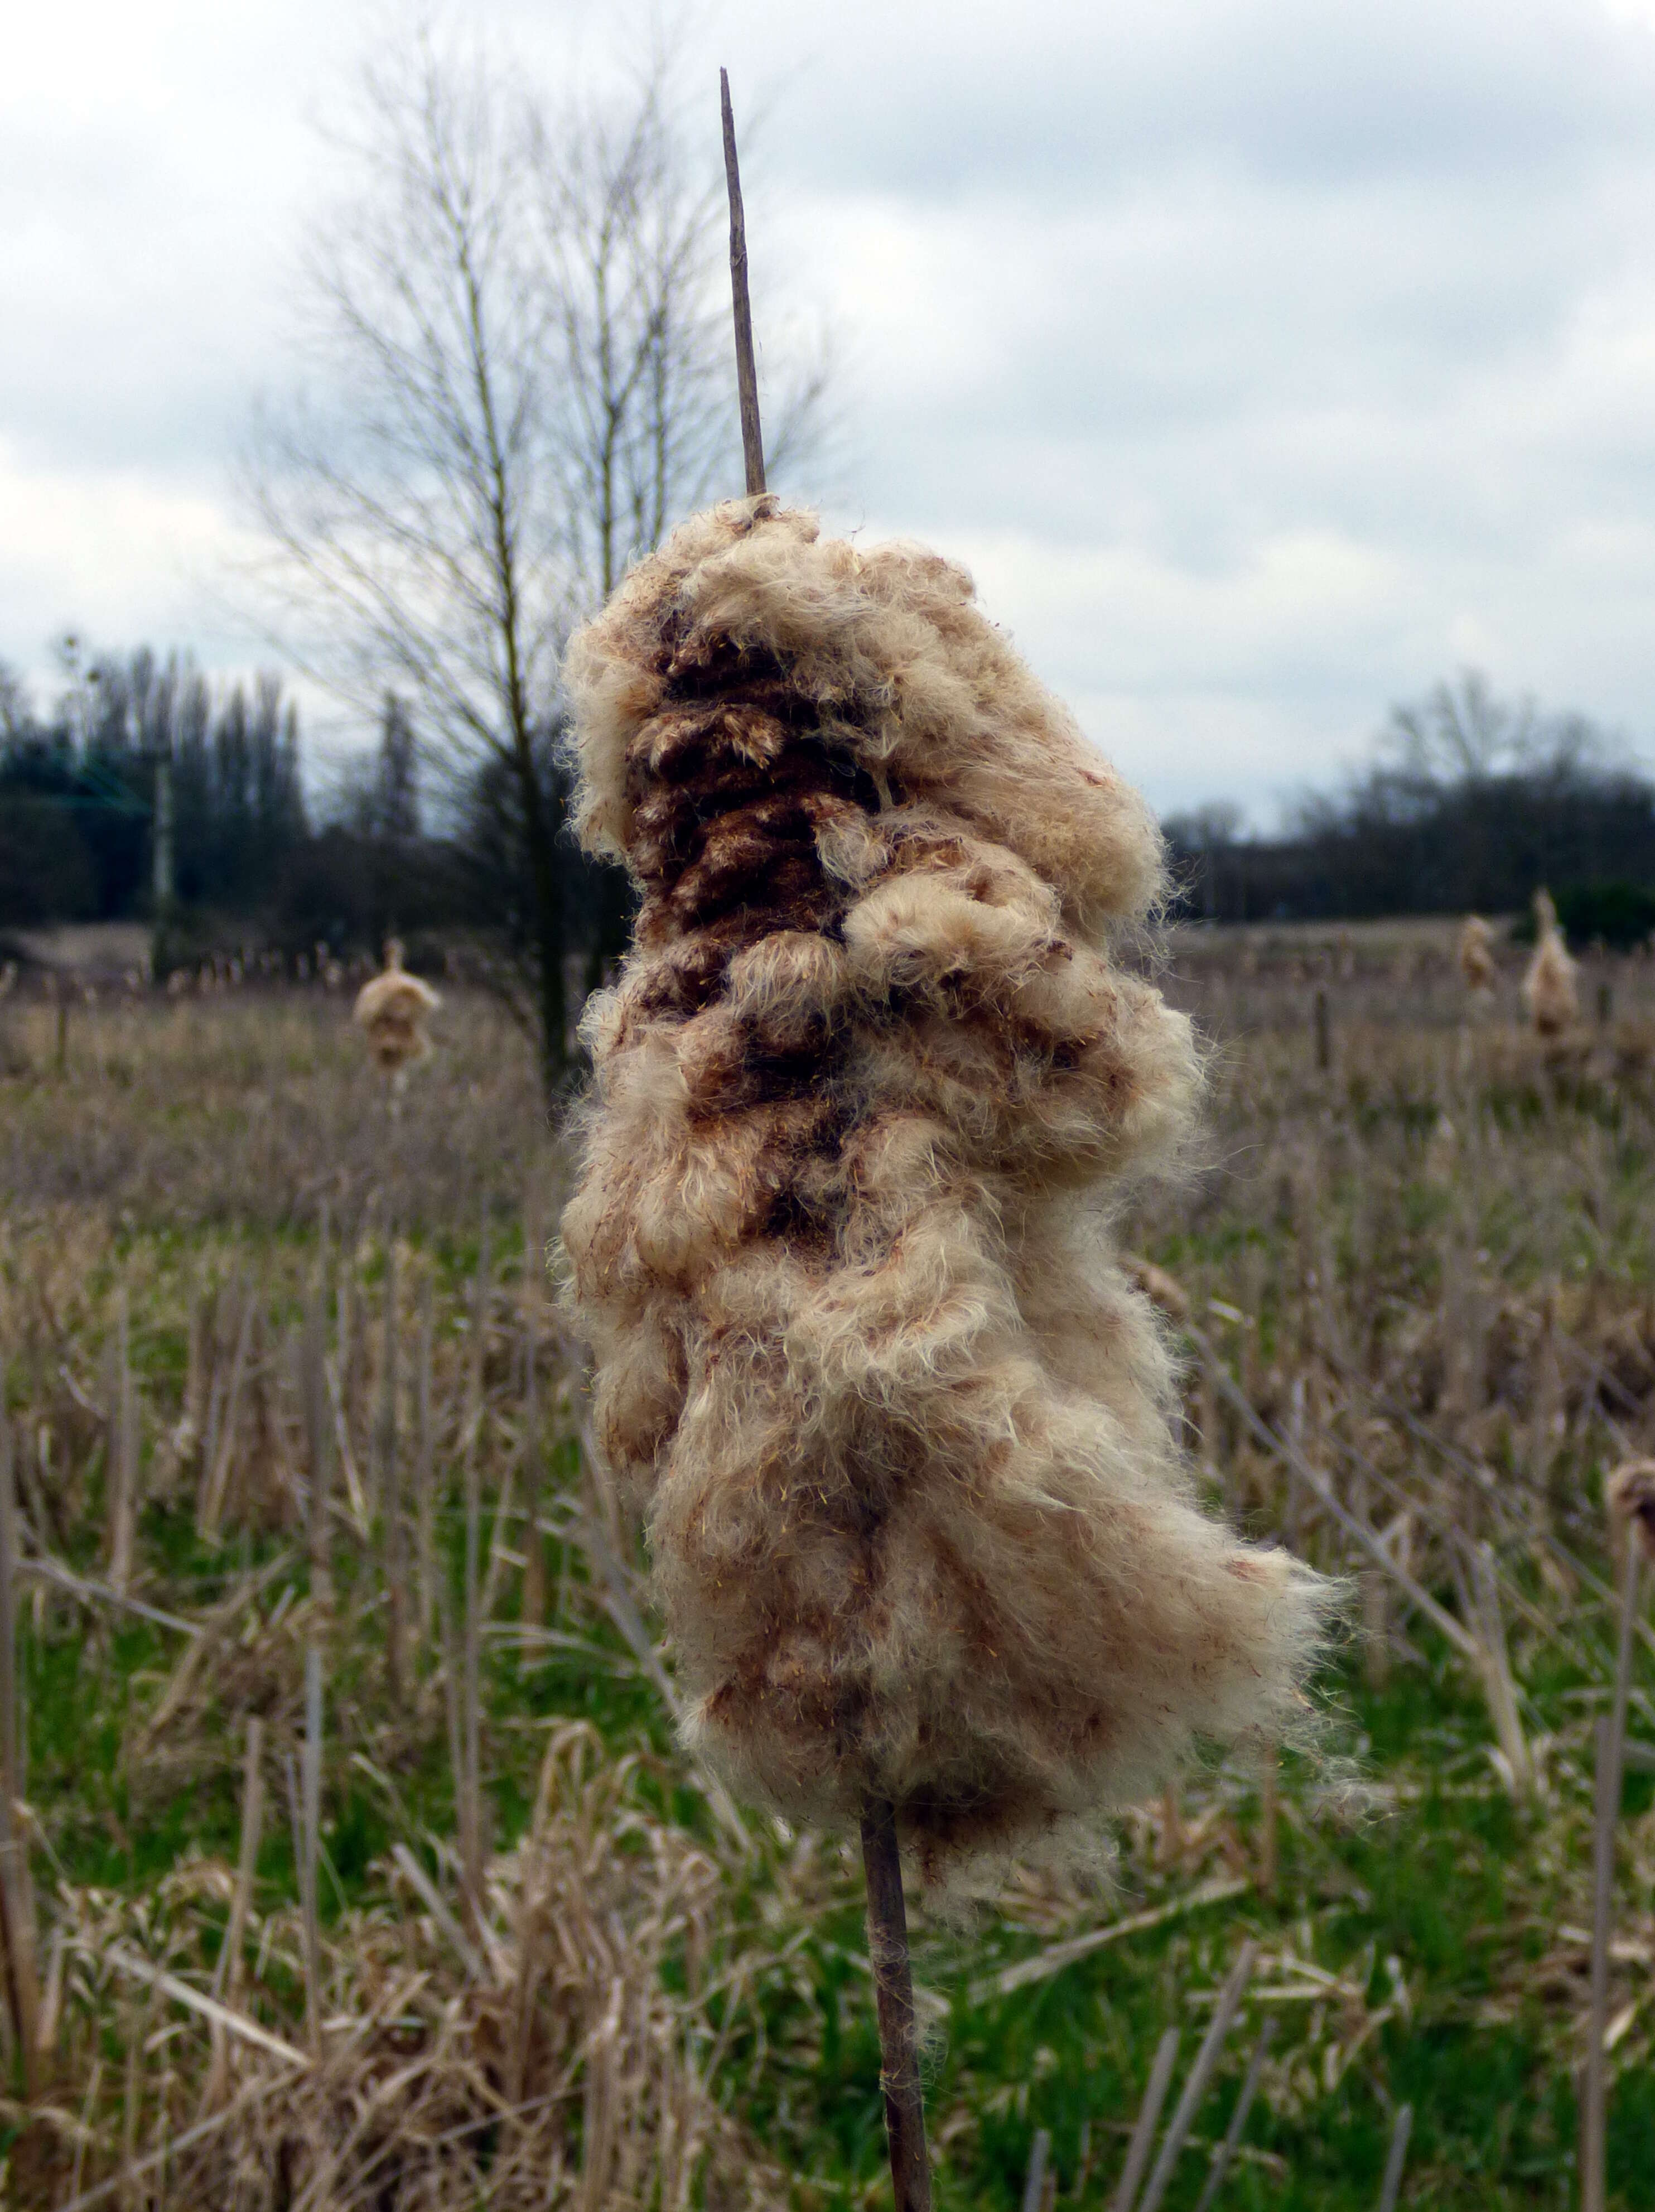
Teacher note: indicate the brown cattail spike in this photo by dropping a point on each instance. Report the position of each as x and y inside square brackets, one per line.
[747, 374]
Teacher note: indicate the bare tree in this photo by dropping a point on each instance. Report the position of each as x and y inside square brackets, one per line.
[521, 379]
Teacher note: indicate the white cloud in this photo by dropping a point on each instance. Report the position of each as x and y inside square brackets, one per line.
[1266, 360]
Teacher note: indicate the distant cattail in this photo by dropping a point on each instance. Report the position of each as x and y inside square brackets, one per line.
[1548, 989]
[392, 1010]
[1629, 1493]
[1442, 1154]
[867, 1084]
[1477, 955]
[8, 978]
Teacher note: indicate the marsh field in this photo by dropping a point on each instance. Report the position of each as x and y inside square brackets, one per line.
[352, 1859]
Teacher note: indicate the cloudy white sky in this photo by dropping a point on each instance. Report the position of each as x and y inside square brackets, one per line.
[1264, 359]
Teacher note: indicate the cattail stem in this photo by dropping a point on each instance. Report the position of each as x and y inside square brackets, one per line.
[425, 1467]
[887, 1948]
[1610, 1745]
[1201, 2074]
[16, 1902]
[1398, 2159]
[471, 1842]
[747, 377]
[122, 1454]
[318, 1441]
[1227, 2149]
[390, 1496]
[310, 1841]
[1148, 2118]
[533, 1605]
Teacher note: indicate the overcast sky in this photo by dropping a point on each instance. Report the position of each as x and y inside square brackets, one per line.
[1266, 360]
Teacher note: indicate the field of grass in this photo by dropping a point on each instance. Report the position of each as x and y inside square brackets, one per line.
[352, 1859]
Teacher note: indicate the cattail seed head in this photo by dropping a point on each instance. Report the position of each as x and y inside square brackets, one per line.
[1629, 1493]
[1550, 989]
[392, 1009]
[867, 1091]
[1476, 954]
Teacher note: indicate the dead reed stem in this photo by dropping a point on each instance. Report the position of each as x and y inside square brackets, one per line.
[533, 1602]
[319, 1440]
[1397, 2159]
[226, 1974]
[216, 1475]
[1201, 2074]
[425, 1466]
[17, 1899]
[470, 1777]
[1224, 2154]
[123, 1452]
[1143, 2128]
[310, 1841]
[391, 1498]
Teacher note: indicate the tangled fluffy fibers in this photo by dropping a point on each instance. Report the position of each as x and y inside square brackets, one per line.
[1477, 965]
[867, 1091]
[1550, 991]
[391, 1010]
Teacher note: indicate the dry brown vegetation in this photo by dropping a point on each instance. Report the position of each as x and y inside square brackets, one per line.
[467, 1927]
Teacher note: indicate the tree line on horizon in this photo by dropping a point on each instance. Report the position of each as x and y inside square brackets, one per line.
[1468, 805]
[257, 854]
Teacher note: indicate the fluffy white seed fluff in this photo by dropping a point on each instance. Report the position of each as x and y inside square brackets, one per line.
[869, 1089]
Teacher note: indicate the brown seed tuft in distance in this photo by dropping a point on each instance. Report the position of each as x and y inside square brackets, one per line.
[868, 1088]
[1629, 1493]
[1549, 987]
[1477, 955]
[392, 1009]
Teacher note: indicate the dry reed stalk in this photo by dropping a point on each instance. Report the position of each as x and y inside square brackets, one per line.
[1269, 1821]
[390, 1482]
[1143, 2130]
[226, 1974]
[424, 1465]
[532, 1603]
[17, 1899]
[1397, 2159]
[1224, 2155]
[310, 1841]
[318, 1441]
[1201, 2074]
[471, 1835]
[195, 1372]
[1594, 2100]
[216, 1474]
[1034, 2179]
[501, 1558]
[1497, 1675]
[122, 1453]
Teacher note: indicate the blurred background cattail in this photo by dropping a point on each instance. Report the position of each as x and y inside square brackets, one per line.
[1549, 990]
[392, 1010]
[1476, 957]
